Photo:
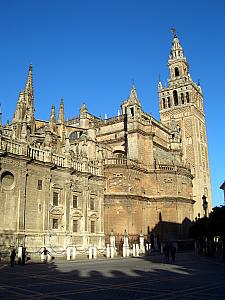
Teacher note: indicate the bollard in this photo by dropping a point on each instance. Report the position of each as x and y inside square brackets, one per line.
[112, 251]
[19, 255]
[94, 252]
[137, 250]
[90, 252]
[124, 251]
[74, 253]
[107, 251]
[134, 250]
[68, 257]
[149, 248]
[127, 251]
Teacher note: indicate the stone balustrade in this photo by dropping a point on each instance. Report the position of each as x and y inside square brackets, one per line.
[46, 156]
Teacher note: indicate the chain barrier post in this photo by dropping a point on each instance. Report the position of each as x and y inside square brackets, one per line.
[74, 253]
[19, 254]
[94, 251]
[68, 256]
[137, 249]
[112, 251]
[107, 251]
[142, 244]
[90, 252]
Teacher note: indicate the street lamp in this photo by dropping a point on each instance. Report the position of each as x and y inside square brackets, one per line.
[204, 204]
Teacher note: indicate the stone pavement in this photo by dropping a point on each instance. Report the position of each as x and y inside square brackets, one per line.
[190, 277]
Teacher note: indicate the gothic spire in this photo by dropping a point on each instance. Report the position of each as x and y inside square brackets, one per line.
[29, 83]
[61, 118]
[133, 98]
[52, 121]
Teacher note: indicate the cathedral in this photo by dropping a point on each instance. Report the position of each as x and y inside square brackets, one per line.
[75, 182]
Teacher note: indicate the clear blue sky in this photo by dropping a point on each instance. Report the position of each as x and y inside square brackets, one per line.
[91, 50]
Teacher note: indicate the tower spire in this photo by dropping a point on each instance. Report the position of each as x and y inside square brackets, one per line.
[29, 99]
[61, 118]
[176, 50]
[133, 98]
[29, 83]
[52, 121]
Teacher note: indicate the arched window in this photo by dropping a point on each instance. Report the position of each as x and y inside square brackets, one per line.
[168, 102]
[175, 98]
[182, 98]
[163, 103]
[176, 70]
[187, 97]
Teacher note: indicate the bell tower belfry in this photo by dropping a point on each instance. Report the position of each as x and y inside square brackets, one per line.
[182, 101]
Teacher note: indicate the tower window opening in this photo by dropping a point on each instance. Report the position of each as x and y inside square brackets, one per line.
[132, 111]
[164, 103]
[187, 97]
[176, 70]
[175, 98]
[182, 98]
[168, 101]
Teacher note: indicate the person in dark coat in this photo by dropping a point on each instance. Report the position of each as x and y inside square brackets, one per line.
[23, 256]
[172, 252]
[166, 252]
[12, 257]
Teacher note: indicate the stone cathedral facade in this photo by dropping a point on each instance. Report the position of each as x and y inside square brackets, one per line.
[74, 182]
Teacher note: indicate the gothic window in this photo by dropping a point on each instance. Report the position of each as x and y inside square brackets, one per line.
[187, 97]
[55, 223]
[132, 111]
[39, 185]
[164, 103]
[75, 201]
[55, 198]
[176, 70]
[92, 204]
[175, 98]
[168, 102]
[92, 226]
[182, 98]
[75, 225]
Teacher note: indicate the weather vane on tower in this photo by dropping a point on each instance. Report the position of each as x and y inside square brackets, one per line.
[173, 30]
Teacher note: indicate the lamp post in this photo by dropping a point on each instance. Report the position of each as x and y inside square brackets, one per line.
[204, 204]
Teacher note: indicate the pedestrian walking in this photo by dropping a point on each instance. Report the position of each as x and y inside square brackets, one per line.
[166, 252]
[172, 251]
[12, 257]
[45, 252]
[23, 256]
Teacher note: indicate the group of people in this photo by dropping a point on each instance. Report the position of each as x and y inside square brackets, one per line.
[169, 249]
[23, 257]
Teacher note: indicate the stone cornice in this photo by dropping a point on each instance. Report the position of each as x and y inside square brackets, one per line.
[123, 196]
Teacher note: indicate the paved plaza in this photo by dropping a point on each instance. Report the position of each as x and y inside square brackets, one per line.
[190, 277]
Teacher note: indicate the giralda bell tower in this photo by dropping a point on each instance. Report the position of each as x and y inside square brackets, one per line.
[182, 102]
